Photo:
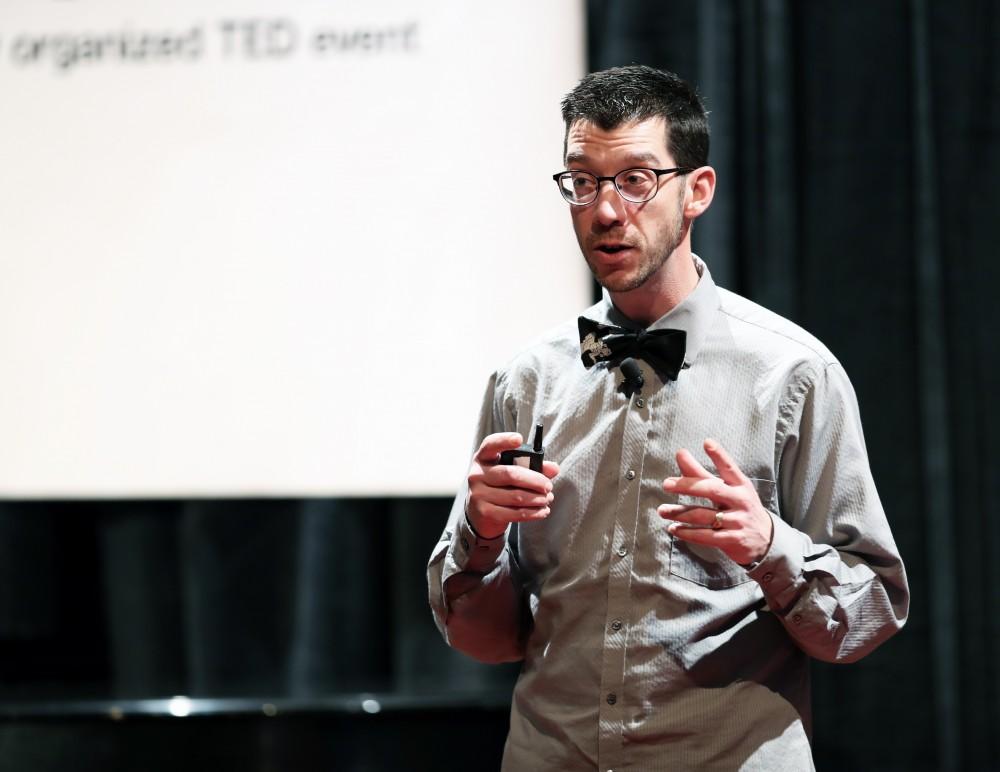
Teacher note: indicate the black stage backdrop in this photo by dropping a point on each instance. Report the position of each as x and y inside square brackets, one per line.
[858, 151]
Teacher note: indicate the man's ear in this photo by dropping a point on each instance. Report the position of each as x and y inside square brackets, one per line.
[700, 191]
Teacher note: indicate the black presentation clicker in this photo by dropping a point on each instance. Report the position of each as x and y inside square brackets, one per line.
[533, 453]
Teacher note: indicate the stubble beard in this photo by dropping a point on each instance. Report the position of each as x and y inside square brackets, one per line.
[650, 264]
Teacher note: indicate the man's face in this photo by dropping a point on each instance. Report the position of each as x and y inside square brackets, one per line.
[626, 243]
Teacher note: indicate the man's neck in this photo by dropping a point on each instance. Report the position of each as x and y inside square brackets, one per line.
[662, 292]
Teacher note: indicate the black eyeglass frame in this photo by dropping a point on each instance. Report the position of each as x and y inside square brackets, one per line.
[597, 192]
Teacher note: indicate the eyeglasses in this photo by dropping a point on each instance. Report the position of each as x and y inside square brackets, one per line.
[635, 185]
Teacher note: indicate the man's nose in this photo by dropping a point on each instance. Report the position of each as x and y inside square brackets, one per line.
[610, 206]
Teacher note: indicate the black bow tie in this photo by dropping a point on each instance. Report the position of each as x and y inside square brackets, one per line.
[663, 349]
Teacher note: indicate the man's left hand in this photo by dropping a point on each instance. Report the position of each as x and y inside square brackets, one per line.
[739, 525]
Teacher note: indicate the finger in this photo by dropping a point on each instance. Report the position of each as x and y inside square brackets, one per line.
[513, 497]
[703, 517]
[515, 476]
[728, 470]
[689, 465]
[712, 488]
[491, 447]
[513, 514]
[550, 469]
[699, 535]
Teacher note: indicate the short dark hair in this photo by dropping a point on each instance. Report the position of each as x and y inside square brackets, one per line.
[620, 95]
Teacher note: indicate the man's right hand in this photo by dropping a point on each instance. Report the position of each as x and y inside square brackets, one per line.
[501, 494]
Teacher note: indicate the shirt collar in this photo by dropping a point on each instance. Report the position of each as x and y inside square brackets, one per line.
[695, 314]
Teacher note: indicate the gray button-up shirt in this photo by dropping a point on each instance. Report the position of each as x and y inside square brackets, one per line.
[641, 651]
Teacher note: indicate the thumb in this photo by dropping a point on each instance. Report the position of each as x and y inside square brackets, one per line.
[494, 444]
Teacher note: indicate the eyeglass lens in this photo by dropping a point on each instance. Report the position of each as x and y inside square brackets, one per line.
[636, 185]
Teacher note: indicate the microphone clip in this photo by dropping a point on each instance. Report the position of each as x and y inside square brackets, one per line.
[632, 381]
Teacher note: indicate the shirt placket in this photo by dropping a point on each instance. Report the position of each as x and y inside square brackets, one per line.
[611, 709]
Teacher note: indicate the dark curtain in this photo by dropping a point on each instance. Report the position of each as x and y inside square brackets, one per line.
[858, 148]
[293, 599]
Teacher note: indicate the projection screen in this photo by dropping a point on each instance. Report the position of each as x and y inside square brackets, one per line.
[270, 248]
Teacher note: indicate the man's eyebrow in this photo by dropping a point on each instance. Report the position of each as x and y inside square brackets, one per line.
[631, 158]
[637, 158]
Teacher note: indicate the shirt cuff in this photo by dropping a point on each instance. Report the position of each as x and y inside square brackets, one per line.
[779, 572]
[474, 553]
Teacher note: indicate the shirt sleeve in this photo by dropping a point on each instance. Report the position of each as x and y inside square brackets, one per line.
[833, 574]
[474, 586]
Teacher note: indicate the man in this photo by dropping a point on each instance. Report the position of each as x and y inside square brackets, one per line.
[664, 600]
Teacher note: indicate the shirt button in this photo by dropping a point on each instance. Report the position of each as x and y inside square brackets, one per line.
[622, 552]
[767, 578]
[616, 625]
[640, 402]
[612, 698]
[630, 474]
[797, 618]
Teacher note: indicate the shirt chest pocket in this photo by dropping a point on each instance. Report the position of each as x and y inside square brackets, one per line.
[708, 566]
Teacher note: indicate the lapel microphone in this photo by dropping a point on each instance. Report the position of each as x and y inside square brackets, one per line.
[634, 381]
